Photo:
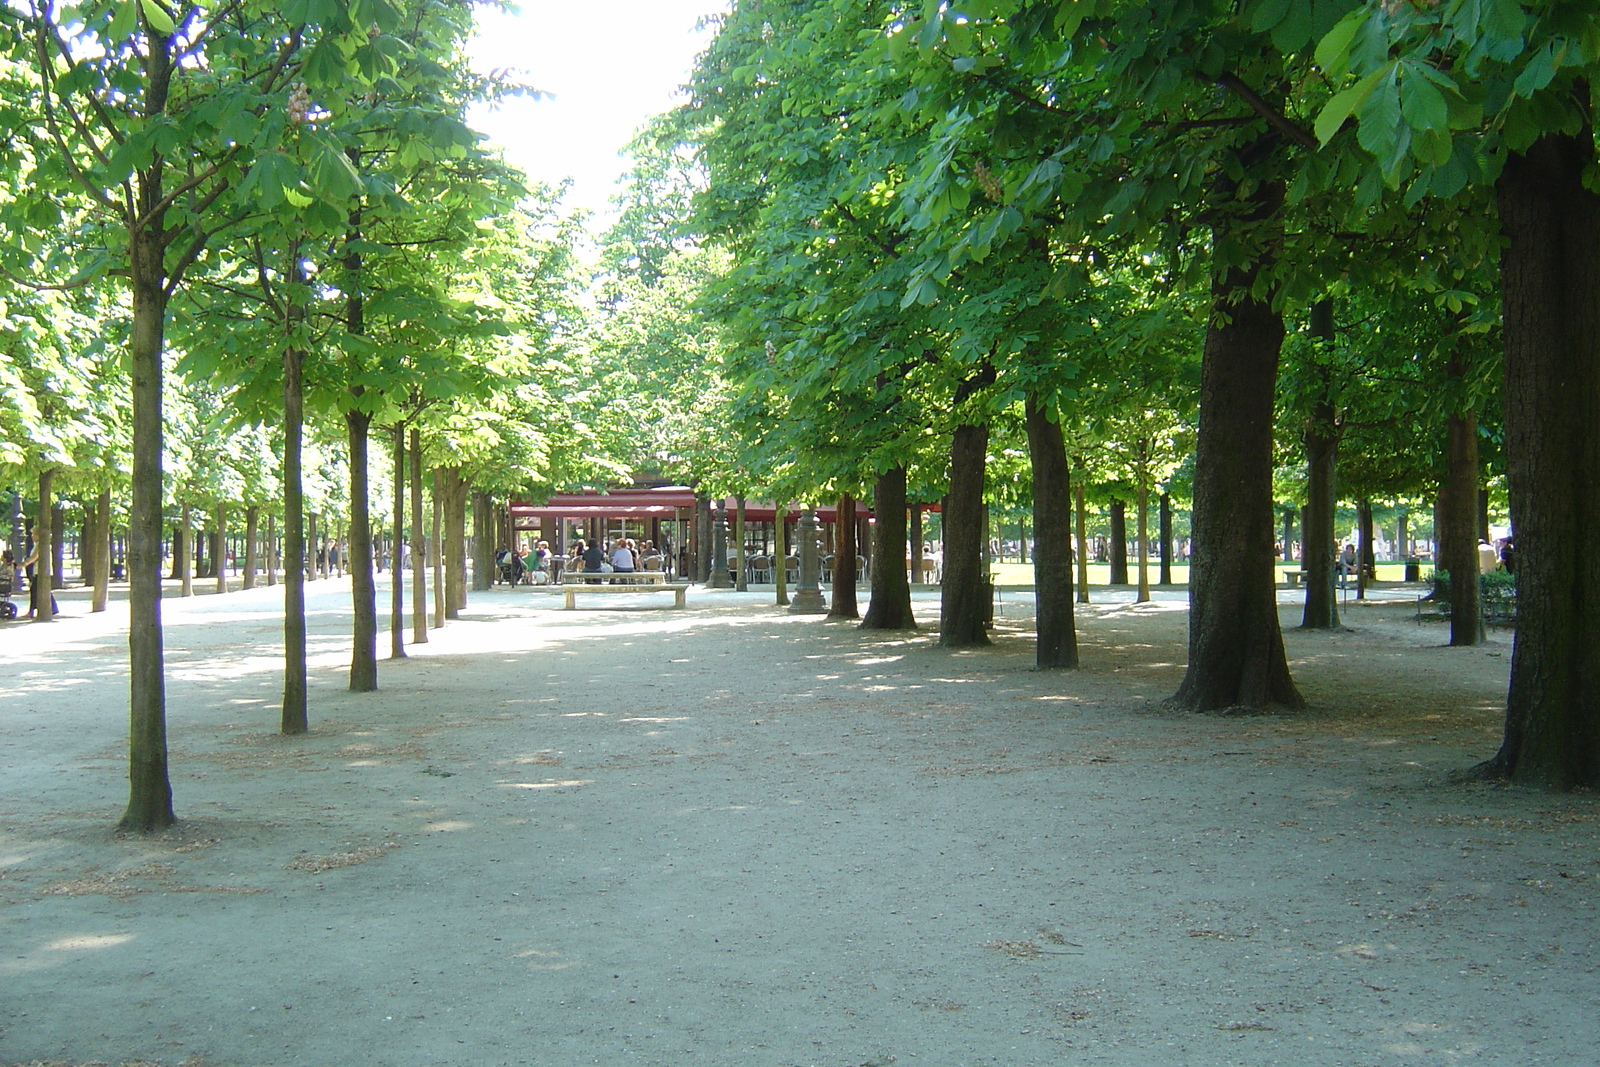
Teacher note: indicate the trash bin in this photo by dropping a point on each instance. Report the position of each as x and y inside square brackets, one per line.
[1413, 570]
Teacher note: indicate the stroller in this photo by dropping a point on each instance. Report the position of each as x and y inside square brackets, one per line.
[511, 566]
[8, 610]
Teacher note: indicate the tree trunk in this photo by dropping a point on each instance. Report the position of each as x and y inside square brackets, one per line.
[1458, 507]
[455, 581]
[436, 548]
[186, 558]
[1550, 292]
[844, 561]
[1141, 525]
[1081, 522]
[1365, 560]
[149, 787]
[86, 546]
[482, 553]
[357, 556]
[417, 548]
[102, 551]
[1119, 543]
[1056, 645]
[295, 718]
[962, 602]
[1236, 657]
[252, 549]
[915, 537]
[1322, 436]
[741, 582]
[397, 578]
[40, 588]
[219, 548]
[780, 556]
[1164, 528]
[889, 607]
[310, 564]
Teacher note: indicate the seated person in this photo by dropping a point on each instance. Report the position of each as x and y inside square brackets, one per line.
[594, 558]
[621, 559]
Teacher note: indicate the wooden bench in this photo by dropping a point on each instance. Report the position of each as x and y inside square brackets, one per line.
[638, 582]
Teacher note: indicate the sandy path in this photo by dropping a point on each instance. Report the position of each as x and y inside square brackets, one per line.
[732, 836]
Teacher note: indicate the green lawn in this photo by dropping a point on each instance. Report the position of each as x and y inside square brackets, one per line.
[1100, 573]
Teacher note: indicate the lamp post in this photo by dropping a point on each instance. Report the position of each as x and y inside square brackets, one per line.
[719, 548]
[808, 597]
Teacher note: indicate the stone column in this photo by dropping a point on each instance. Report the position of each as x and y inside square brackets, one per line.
[719, 548]
[808, 596]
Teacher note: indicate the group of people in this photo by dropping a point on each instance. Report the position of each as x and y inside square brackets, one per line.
[625, 556]
[19, 574]
[518, 566]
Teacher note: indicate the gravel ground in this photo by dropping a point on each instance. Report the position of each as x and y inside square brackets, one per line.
[731, 836]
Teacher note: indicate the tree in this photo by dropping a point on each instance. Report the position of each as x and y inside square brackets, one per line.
[1499, 94]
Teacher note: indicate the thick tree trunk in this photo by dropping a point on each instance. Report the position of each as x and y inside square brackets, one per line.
[397, 577]
[1119, 543]
[890, 605]
[1236, 657]
[844, 562]
[102, 551]
[962, 605]
[149, 787]
[357, 556]
[1550, 292]
[252, 549]
[295, 718]
[1056, 644]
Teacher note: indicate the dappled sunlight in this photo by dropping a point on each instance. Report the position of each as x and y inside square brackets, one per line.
[445, 826]
[81, 942]
[548, 783]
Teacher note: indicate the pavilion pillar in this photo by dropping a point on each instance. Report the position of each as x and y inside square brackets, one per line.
[808, 597]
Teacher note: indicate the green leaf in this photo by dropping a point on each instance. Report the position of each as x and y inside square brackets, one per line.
[1537, 74]
[125, 21]
[1345, 103]
[1267, 14]
[1422, 104]
[157, 18]
[1294, 32]
[1333, 51]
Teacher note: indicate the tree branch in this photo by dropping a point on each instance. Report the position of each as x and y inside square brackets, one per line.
[1275, 118]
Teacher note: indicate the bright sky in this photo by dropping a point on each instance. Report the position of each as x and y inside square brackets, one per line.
[608, 65]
